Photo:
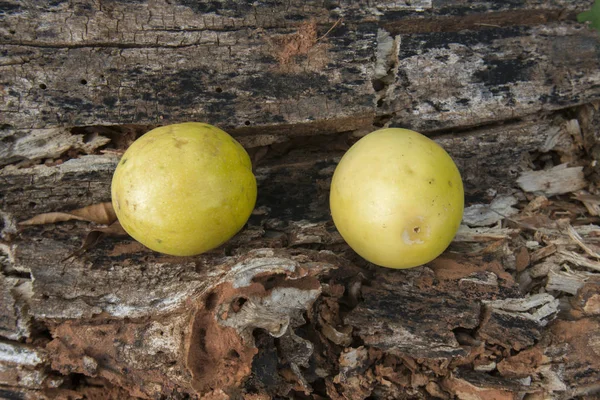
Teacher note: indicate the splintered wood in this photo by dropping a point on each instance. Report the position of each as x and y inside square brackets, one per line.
[286, 309]
[558, 180]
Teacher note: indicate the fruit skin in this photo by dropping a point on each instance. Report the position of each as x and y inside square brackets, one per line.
[184, 189]
[397, 198]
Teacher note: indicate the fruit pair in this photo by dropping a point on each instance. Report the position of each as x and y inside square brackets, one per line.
[396, 195]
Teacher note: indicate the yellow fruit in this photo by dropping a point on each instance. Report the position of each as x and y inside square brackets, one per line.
[397, 198]
[184, 189]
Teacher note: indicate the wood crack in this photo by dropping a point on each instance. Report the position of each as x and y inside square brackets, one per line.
[509, 311]
[477, 21]
[116, 45]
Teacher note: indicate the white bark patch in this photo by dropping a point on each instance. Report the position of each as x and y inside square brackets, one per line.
[557, 180]
[36, 144]
[242, 273]
[20, 355]
[273, 313]
[418, 5]
[386, 55]
[540, 308]
[489, 214]
[30, 379]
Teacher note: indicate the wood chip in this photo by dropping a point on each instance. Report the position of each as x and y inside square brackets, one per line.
[590, 201]
[522, 259]
[567, 281]
[536, 204]
[574, 235]
[579, 260]
[588, 297]
[490, 214]
[560, 179]
[542, 253]
[483, 234]
[517, 323]
[542, 269]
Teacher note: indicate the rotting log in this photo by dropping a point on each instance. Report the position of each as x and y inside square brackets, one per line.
[286, 309]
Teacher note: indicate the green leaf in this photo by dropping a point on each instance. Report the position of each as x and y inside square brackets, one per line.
[592, 16]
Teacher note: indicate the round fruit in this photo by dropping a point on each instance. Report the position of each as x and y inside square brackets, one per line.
[184, 189]
[397, 198]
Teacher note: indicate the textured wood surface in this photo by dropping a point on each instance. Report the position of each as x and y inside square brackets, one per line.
[286, 309]
[291, 62]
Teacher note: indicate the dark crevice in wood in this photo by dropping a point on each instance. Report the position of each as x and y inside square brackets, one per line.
[17, 274]
[466, 130]
[567, 113]
[381, 120]
[121, 136]
[116, 45]
[477, 21]
[310, 137]
[408, 25]
[9, 393]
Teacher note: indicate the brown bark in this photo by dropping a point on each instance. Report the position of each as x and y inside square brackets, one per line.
[286, 309]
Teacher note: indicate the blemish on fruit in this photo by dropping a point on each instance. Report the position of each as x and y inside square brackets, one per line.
[123, 161]
[180, 142]
[410, 238]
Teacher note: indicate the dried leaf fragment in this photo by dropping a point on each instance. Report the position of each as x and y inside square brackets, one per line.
[101, 213]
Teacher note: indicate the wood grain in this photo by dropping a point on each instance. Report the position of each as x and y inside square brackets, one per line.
[286, 308]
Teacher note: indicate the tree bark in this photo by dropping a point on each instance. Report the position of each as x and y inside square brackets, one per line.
[286, 309]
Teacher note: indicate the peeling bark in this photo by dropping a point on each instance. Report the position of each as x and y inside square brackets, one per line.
[286, 309]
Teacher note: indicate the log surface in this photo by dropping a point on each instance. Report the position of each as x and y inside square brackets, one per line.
[286, 309]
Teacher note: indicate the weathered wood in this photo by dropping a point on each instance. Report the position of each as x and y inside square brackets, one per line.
[286, 309]
[517, 323]
[470, 78]
[578, 344]
[15, 321]
[41, 144]
[125, 320]
[78, 182]
[567, 281]
[406, 321]
[160, 62]
[285, 175]
[558, 180]
[485, 215]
